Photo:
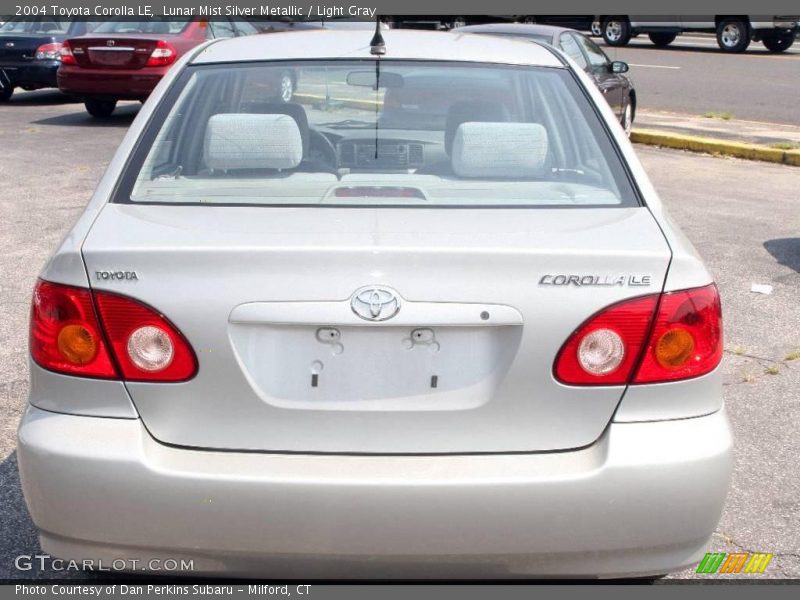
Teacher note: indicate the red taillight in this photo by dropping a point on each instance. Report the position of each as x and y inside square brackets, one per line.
[625, 344]
[65, 333]
[164, 54]
[49, 51]
[687, 337]
[629, 321]
[69, 337]
[146, 345]
[67, 58]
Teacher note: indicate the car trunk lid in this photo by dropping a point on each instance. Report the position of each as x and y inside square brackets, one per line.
[21, 48]
[113, 52]
[268, 299]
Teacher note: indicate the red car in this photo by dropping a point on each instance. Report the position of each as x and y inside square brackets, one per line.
[124, 60]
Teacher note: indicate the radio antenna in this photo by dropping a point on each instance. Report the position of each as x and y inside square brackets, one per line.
[377, 45]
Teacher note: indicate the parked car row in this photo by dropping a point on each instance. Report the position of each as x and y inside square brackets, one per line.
[734, 32]
[102, 63]
[30, 51]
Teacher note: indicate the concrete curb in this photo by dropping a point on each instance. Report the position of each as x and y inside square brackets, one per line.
[655, 137]
[349, 102]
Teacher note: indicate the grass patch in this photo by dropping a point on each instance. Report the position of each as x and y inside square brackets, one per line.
[738, 350]
[771, 371]
[749, 378]
[786, 145]
[725, 116]
[794, 355]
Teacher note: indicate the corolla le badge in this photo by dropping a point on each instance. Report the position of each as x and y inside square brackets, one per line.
[375, 303]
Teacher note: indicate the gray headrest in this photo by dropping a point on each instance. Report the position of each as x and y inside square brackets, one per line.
[471, 111]
[252, 141]
[516, 150]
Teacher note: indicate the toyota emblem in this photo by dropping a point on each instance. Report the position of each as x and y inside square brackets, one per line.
[110, 43]
[375, 303]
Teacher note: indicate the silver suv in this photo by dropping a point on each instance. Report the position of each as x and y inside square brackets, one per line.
[734, 33]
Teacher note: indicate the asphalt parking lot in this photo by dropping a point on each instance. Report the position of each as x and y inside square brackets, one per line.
[744, 218]
[694, 76]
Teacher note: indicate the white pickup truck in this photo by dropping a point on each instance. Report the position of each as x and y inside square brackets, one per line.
[734, 32]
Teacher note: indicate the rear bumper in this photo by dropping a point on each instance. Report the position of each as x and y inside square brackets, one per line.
[642, 500]
[37, 74]
[107, 84]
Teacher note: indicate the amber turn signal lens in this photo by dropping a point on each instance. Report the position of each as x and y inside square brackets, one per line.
[77, 344]
[674, 348]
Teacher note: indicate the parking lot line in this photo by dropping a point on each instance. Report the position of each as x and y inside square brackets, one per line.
[652, 66]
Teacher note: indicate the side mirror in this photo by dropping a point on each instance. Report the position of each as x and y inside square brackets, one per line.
[619, 67]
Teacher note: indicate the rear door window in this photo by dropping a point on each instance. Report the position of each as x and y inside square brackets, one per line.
[571, 49]
[597, 58]
[221, 29]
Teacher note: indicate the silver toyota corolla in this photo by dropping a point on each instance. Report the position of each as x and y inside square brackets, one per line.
[426, 318]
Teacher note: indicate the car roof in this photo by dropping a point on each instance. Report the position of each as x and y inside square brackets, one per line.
[400, 44]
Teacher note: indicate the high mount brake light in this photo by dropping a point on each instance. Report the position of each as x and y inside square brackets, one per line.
[628, 342]
[121, 337]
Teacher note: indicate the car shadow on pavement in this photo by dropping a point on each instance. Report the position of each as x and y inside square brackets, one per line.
[786, 251]
[46, 97]
[122, 117]
[19, 535]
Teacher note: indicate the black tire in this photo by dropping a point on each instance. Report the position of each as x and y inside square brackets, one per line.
[662, 40]
[778, 42]
[628, 115]
[733, 35]
[5, 93]
[616, 31]
[100, 108]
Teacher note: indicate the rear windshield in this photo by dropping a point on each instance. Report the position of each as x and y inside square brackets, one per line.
[369, 133]
[155, 25]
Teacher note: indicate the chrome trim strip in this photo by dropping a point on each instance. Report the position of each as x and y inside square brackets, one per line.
[112, 48]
